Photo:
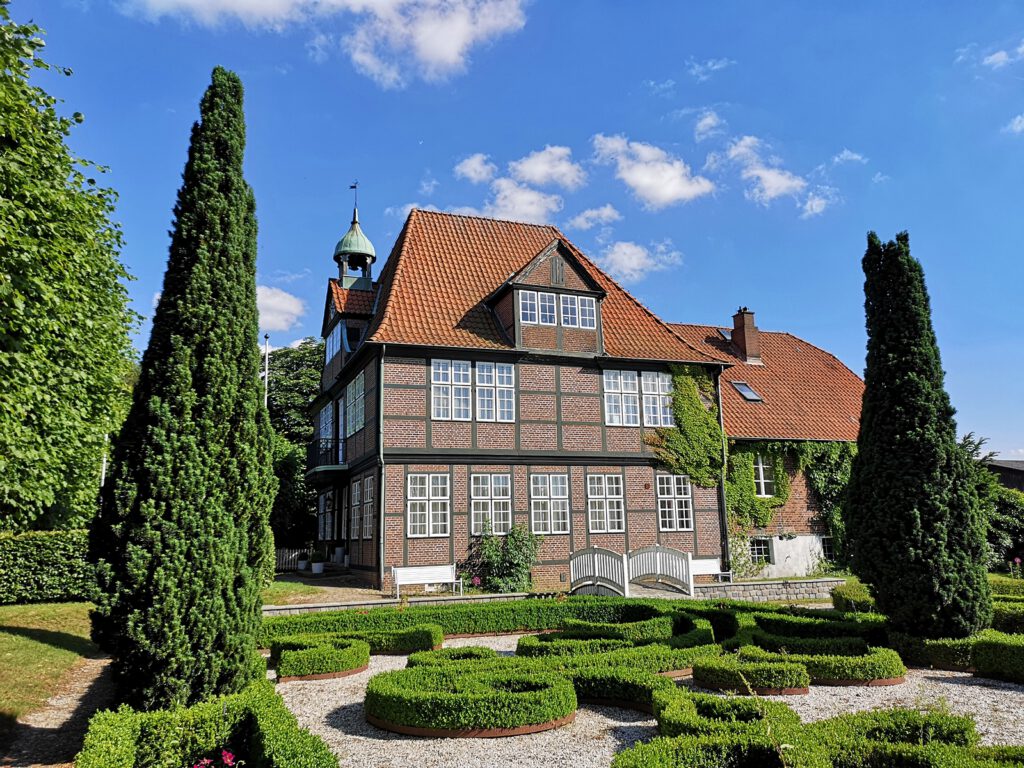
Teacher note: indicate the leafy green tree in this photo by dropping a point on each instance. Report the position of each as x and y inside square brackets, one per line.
[294, 383]
[915, 524]
[65, 354]
[182, 541]
[1004, 507]
[293, 516]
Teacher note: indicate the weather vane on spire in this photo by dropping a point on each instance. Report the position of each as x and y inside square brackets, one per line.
[355, 185]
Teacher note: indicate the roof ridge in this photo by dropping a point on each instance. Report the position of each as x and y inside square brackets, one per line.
[820, 349]
[635, 300]
[484, 218]
[391, 267]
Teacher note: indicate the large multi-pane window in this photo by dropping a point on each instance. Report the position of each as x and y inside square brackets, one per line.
[451, 392]
[621, 399]
[356, 508]
[549, 503]
[550, 309]
[761, 550]
[606, 509]
[675, 503]
[490, 504]
[368, 522]
[495, 392]
[428, 505]
[764, 477]
[657, 392]
[332, 344]
[354, 405]
[325, 426]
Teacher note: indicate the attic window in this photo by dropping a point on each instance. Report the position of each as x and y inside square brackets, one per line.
[726, 334]
[747, 391]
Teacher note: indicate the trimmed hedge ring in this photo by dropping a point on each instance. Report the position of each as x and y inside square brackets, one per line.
[458, 703]
[318, 657]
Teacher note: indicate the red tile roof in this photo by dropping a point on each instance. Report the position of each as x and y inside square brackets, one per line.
[444, 266]
[350, 301]
[807, 394]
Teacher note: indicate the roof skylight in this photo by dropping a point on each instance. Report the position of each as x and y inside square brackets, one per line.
[726, 333]
[747, 391]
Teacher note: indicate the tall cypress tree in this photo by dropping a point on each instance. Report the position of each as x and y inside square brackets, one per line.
[182, 537]
[914, 519]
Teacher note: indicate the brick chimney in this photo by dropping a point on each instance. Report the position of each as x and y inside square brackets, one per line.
[746, 337]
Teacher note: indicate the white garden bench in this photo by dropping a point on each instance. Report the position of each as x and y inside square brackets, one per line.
[425, 574]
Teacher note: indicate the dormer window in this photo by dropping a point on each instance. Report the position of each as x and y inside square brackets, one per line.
[543, 308]
[588, 312]
[332, 344]
[528, 307]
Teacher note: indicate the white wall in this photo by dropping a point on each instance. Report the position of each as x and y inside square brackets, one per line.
[796, 556]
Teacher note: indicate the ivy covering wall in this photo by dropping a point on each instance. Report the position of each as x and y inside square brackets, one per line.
[694, 447]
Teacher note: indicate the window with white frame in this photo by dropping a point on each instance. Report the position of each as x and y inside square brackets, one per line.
[354, 405]
[451, 390]
[332, 344]
[356, 508]
[495, 392]
[339, 408]
[549, 503]
[761, 550]
[657, 392]
[588, 312]
[764, 477]
[325, 427]
[621, 399]
[675, 503]
[490, 504]
[570, 311]
[528, 307]
[428, 505]
[606, 509]
[368, 521]
[547, 308]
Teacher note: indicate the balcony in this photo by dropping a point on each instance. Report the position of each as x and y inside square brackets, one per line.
[324, 455]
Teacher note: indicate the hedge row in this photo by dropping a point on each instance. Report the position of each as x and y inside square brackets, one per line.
[835, 646]
[877, 664]
[644, 631]
[1005, 585]
[730, 673]
[1008, 615]
[870, 627]
[300, 655]
[853, 597]
[45, 566]
[999, 656]
[254, 723]
[457, 699]
[561, 644]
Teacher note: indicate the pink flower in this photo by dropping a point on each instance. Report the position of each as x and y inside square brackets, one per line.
[227, 758]
[476, 581]
[1016, 560]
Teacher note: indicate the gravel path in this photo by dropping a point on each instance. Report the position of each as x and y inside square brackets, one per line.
[334, 710]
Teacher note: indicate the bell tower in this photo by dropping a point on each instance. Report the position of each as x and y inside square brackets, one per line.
[354, 253]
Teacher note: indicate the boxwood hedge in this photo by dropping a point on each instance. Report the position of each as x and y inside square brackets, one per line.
[730, 673]
[1005, 585]
[300, 655]
[254, 723]
[642, 631]
[45, 566]
[853, 597]
[565, 644]
[999, 656]
[877, 664]
[458, 698]
[1008, 615]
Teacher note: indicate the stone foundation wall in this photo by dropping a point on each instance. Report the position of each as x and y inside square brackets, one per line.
[759, 591]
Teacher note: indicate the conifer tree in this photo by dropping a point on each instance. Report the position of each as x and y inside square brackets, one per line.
[182, 538]
[915, 523]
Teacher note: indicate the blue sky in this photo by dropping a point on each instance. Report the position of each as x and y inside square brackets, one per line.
[711, 155]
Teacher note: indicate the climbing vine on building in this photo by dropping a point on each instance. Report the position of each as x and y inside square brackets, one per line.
[826, 466]
[694, 446]
[746, 508]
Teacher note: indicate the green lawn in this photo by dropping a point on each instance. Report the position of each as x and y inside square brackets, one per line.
[38, 645]
[284, 592]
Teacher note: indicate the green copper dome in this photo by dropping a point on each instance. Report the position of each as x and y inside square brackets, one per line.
[354, 242]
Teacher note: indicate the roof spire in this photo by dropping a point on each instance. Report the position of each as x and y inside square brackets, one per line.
[354, 186]
[354, 252]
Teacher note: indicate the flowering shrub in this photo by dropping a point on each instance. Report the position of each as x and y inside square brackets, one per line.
[227, 760]
[1015, 570]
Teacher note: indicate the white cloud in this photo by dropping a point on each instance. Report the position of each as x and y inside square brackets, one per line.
[284, 276]
[402, 211]
[319, 47]
[551, 165]
[879, 178]
[476, 169]
[767, 181]
[630, 262]
[518, 202]
[664, 88]
[997, 60]
[848, 156]
[708, 124]
[818, 200]
[388, 39]
[1015, 126]
[428, 186]
[279, 310]
[591, 217]
[703, 70]
[656, 177]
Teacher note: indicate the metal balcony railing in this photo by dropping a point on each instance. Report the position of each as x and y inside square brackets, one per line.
[323, 452]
